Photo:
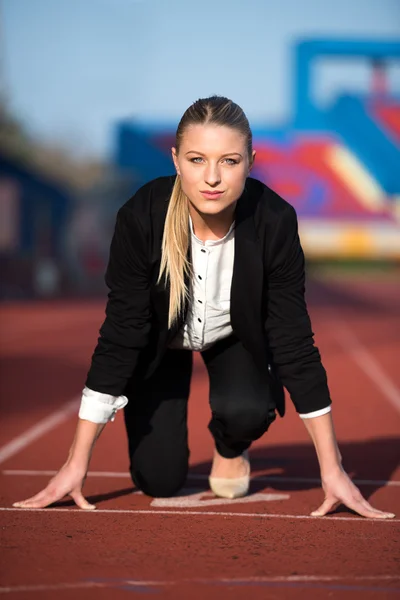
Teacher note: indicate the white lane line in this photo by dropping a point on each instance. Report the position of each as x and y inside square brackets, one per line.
[206, 513]
[351, 344]
[243, 580]
[201, 477]
[38, 430]
[55, 587]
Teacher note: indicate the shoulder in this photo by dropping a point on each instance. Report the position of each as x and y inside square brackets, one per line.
[268, 205]
[150, 197]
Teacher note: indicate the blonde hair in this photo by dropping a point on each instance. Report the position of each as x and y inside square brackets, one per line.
[175, 265]
[175, 244]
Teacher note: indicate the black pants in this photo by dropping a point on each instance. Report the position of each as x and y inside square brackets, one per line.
[156, 414]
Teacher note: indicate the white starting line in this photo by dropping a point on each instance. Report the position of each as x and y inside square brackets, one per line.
[204, 513]
[202, 477]
[136, 583]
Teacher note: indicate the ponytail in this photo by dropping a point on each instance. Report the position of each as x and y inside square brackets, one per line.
[175, 244]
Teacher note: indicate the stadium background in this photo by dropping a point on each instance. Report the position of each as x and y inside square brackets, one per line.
[335, 156]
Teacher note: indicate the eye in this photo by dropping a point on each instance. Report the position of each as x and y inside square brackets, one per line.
[230, 161]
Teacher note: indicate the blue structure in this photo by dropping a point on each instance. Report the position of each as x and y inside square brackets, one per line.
[338, 165]
[350, 121]
[43, 208]
[38, 213]
[306, 114]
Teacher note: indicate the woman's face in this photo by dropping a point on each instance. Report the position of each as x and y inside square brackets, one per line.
[212, 159]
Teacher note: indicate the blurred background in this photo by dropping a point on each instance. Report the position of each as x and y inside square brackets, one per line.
[91, 93]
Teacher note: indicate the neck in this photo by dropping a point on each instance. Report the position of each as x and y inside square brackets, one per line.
[212, 227]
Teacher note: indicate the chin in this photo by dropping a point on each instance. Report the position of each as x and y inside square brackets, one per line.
[213, 207]
[212, 210]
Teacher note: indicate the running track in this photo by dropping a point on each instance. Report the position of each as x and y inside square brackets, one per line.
[198, 546]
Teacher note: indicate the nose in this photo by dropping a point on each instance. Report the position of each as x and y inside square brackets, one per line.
[212, 175]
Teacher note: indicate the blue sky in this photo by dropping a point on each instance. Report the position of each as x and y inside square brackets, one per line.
[70, 69]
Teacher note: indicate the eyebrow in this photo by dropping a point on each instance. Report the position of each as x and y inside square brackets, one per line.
[228, 154]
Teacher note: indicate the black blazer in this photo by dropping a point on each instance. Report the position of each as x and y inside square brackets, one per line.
[268, 308]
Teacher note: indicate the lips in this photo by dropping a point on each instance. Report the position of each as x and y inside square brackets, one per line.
[211, 195]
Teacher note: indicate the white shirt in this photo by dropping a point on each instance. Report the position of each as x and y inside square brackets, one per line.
[208, 318]
[207, 321]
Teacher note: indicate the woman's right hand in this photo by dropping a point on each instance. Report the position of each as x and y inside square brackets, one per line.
[68, 481]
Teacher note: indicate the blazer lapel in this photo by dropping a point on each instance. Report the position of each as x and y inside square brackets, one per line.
[247, 281]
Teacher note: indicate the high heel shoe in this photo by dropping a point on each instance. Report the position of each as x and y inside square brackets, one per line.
[232, 488]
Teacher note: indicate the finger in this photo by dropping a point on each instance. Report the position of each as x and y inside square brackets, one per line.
[387, 515]
[359, 504]
[81, 501]
[329, 504]
[37, 501]
[363, 508]
[30, 503]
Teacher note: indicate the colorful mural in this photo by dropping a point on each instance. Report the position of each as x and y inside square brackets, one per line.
[339, 166]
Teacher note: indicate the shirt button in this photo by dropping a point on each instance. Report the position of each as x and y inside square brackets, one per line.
[203, 250]
[199, 276]
[201, 302]
[199, 320]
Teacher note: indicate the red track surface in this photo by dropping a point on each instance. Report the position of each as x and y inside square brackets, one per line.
[258, 549]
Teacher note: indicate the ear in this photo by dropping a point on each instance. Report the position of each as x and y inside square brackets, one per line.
[175, 159]
[253, 157]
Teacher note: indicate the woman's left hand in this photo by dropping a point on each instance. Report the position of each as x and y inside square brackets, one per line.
[339, 489]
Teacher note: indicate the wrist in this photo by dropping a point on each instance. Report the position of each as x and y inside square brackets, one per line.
[79, 464]
[78, 457]
[331, 471]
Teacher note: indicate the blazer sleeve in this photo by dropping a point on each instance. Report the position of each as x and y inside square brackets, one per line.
[125, 331]
[290, 337]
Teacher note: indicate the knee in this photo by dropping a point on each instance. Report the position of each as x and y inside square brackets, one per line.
[247, 421]
[159, 484]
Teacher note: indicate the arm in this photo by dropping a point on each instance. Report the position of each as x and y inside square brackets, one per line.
[122, 336]
[290, 337]
[125, 330]
[70, 478]
[298, 364]
[338, 487]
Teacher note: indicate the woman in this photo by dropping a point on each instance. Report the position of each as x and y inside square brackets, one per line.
[206, 260]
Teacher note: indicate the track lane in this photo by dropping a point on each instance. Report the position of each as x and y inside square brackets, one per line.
[107, 545]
